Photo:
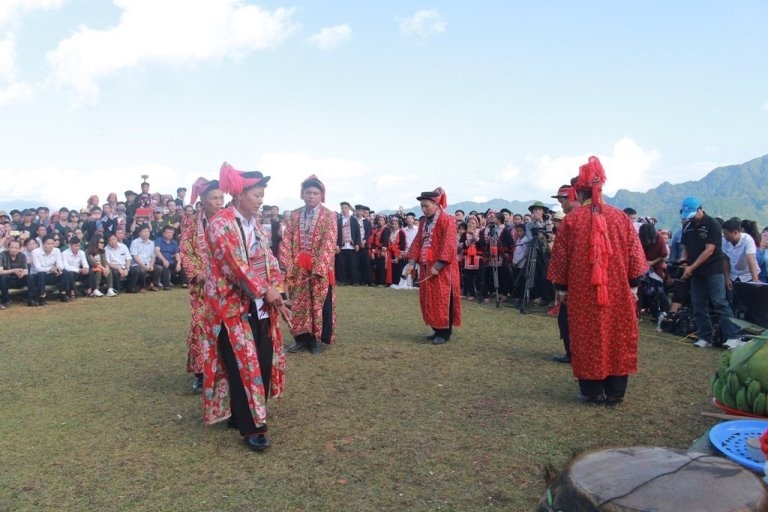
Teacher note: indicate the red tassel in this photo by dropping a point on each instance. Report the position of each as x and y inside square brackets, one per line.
[332, 278]
[305, 261]
[471, 251]
[430, 255]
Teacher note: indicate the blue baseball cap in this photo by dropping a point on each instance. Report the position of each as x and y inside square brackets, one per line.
[689, 208]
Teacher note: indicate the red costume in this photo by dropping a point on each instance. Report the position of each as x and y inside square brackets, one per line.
[597, 257]
[440, 294]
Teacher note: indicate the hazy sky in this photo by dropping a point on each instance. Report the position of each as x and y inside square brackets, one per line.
[381, 100]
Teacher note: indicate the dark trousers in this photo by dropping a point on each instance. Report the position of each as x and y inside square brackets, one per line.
[8, 281]
[446, 333]
[133, 276]
[241, 412]
[347, 262]
[364, 266]
[140, 277]
[70, 279]
[562, 324]
[613, 387]
[43, 279]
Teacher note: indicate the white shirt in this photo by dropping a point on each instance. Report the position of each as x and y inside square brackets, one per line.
[74, 262]
[410, 234]
[42, 262]
[249, 230]
[119, 254]
[737, 256]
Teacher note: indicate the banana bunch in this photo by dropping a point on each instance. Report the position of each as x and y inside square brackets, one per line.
[744, 394]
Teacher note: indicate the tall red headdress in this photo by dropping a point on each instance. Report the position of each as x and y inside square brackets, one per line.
[233, 182]
[592, 177]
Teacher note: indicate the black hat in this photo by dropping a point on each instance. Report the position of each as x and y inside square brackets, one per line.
[359, 207]
[180, 189]
[129, 193]
[431, 195]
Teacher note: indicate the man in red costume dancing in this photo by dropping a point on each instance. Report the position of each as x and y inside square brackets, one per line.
[434, 248]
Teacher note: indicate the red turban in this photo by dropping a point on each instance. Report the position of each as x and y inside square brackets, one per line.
[200, 187]
[233, 182]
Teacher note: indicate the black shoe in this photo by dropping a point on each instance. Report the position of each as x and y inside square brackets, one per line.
[591, 399]
[197, 384]
[316, 347]
[297, 347]
[613, 401]
[439, 340]
[431, 337]
[41, 302]
[232, 423]
[565, 358]
[31, 303]
[257, 443]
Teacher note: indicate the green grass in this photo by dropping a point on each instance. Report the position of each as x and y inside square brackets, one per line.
[98, 413]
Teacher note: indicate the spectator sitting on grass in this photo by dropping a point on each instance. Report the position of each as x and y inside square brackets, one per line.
[13, 273]
[47, 269]
[143, 254]
[98, 269]
[119, 261]
[167, 261]
[76, 268]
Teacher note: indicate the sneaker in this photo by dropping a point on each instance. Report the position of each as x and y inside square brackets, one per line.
[111, 293]
[98, 293]
[702, 344]
[732, 342]
[737, 345]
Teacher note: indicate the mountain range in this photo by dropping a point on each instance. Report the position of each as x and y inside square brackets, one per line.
[729, 191]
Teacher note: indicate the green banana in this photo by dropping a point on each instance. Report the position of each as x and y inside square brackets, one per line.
[741, 400]
[725, 363]
[717, 389]
[728, 400]
[759, 406]
[733, 383]
[753, 390]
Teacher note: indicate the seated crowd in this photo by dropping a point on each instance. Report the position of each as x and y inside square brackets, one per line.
[133, 246]
[100, 250]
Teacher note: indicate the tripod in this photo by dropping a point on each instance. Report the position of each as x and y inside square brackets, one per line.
[534, 252]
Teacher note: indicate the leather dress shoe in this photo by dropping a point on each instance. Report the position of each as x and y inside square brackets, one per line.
[439, 340]
[257, 443]
[296, 347]
[316, 347]
[565, 358]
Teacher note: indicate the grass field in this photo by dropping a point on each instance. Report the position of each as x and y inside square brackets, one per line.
[98, 413]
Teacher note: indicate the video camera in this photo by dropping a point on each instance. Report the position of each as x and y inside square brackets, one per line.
[675, 270]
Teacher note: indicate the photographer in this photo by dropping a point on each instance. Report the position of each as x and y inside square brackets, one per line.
[538, 234]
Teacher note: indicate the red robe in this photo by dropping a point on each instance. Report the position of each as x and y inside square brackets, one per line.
[603, 339]
[308, 288]
[193, 252]
[233, 284]
[435, 292]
